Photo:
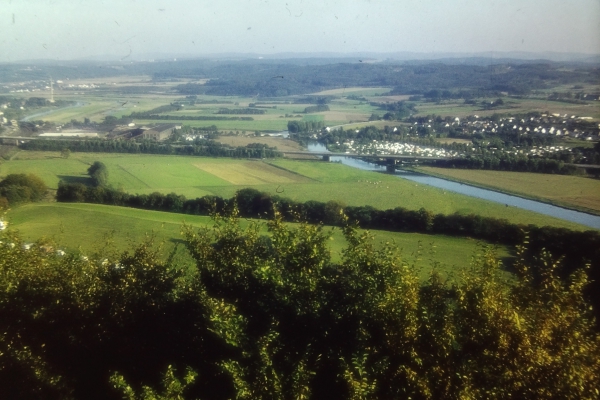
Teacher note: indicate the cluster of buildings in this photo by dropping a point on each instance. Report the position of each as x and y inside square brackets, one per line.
[395, 148]
[546, 124]
[156, 133]
[46, 86]
[388, 148]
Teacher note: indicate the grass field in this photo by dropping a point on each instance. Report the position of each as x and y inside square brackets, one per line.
[97, 104]
[297, 180]
[511, 106]
[87, 227]
[569, 191]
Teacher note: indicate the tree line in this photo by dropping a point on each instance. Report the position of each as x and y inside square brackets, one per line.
[142, 115]
[240, 111]
[199, 148]
[510, 162]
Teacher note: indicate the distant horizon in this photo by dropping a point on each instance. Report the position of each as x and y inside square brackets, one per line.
[68, 30]
[553, 56]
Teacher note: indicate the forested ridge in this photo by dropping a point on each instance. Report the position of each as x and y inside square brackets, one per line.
[275, 78]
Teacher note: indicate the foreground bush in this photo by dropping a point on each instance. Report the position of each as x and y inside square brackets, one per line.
[21, 188]
[271, 317]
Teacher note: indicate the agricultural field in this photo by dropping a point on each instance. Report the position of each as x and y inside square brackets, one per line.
[118, 97]
[96, 107]
[294, 179]
[457, 108]
[114, 97]
[568, 191]
[88, 228]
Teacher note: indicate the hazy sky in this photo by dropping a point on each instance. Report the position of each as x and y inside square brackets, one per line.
[70, 29]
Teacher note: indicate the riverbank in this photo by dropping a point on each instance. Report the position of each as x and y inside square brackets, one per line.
[569, 192]
[578, 217]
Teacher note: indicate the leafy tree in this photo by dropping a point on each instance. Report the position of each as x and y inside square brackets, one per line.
[99, 173]
[65, 153]
[21, 188]
[368, 328]
[173, 388]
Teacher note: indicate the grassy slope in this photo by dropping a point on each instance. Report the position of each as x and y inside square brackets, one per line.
[569, 191]
[86, 227]
[298, 180]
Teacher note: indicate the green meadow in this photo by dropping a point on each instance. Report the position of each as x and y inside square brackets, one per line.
[294, 179]
[88, 228]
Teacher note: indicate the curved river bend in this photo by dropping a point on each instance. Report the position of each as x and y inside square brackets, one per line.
[593, 221]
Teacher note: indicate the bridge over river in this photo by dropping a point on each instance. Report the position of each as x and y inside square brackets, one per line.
[393, 159]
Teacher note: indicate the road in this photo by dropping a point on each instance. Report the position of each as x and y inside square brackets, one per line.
[29, 117]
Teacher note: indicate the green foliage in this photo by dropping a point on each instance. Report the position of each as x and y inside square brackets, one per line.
[396, 111]
[173, 388]
[370, 329]
[272, 317]
[21, 188]
[317, 108]
[200, 147]
[304, 126]
[99, 173]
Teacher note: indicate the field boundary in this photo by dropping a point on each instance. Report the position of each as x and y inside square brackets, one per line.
[135, 177]
[294, 172]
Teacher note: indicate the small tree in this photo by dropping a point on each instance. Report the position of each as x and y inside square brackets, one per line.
[65, 153]
[99, 173]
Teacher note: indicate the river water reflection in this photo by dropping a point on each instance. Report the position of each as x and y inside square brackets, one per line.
[590, 220]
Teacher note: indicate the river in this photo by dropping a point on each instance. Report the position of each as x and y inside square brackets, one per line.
[592, 221]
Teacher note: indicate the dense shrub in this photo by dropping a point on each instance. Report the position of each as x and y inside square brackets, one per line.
[21, 188]
[273, 317]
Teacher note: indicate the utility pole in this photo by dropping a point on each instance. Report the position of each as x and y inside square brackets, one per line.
[51, 90]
